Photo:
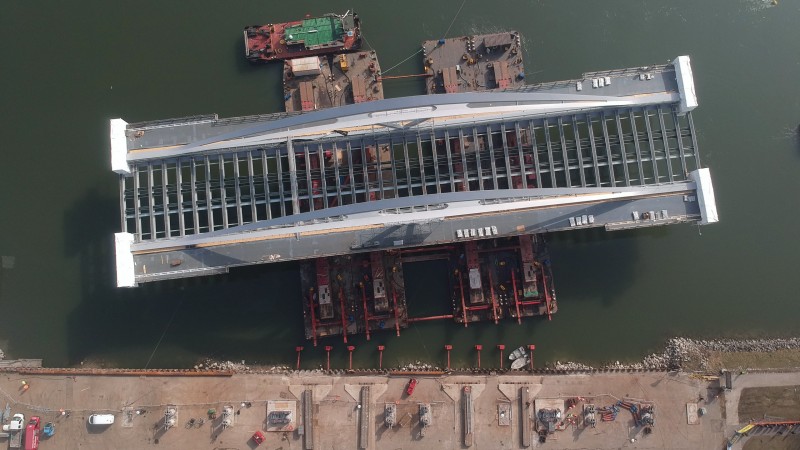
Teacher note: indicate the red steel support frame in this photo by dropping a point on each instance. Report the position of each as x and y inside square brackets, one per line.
[494, 301]
[531, 347]
[546, 295]
[322, 270]
[479, 347]
[530, 302]
[366, 313]
[344, 319]
[526, 252]
[463, 302]
[448, 348]
[426, 249]
[479, 307]
[350, 349]
[429, 318]
[396, 313]
[498, 249]
[502, 348]
[381, 348]
[313, 318]
[516, 297]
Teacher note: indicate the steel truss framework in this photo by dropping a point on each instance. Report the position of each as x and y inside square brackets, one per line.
[176, 197]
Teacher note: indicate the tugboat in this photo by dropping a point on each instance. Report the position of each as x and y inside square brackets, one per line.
[518, 353]
[331, 33]
[520, 362]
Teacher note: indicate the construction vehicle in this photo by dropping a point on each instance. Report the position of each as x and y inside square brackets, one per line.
[32, 433]
[14, 429]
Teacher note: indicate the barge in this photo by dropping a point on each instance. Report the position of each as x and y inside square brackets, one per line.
[331, 33]
[474, 63]
[346, 295]
[498, 278]
[490, 279]
[318, 82]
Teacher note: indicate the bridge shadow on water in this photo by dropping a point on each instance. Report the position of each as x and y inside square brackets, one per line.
[594, 263]
[253, 313]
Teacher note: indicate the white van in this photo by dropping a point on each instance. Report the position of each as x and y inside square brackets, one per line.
[101, 419]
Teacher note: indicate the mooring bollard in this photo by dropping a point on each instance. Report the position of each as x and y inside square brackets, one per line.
[350, 349]
[502, 348]
[328, 349]
[380, 356]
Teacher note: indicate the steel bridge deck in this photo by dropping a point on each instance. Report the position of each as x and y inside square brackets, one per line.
[169, 198]
[615, 149]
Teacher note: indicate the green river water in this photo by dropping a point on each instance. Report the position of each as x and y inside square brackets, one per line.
[69, 67]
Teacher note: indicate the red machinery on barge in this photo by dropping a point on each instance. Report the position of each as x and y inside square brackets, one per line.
[490, 280]
[331, 33]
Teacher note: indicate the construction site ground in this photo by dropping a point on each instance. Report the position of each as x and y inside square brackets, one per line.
[773, 442]
[753, 398]
[754, 360]
[774, 401]
[336, 410]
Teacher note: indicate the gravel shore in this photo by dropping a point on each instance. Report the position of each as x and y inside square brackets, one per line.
[691, 354]
[679, 354]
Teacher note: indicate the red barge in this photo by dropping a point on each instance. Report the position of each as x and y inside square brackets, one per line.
[490, 280]
[331, 33]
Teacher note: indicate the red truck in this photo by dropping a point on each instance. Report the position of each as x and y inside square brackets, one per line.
[412, 384]
[32, 432]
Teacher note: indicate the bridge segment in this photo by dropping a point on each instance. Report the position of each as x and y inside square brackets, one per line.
[202, 194]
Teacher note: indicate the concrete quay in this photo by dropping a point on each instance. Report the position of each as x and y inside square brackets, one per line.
[139, 402]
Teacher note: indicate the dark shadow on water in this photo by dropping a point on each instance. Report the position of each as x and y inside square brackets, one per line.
[243, 66]
[427, 286]
[602, 263]
[251, 314]
[255, 313]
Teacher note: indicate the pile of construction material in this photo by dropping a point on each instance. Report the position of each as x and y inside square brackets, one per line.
[590, 415]
[608, 413]
[549, 418]
[643, 413]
